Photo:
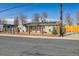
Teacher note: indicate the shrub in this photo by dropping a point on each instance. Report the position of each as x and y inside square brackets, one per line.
[54, 30]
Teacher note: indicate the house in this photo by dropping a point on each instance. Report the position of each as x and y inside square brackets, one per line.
[33, 27]
[42, 27]
[1, 28]
[8, 28]
[21, 27]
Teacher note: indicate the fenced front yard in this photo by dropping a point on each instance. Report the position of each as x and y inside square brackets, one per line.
[33, 32]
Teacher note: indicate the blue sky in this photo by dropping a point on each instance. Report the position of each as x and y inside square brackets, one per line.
[52, 9]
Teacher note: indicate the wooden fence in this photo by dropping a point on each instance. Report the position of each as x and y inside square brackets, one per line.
[72, 28]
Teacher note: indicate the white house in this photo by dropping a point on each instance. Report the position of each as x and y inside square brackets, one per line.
[1, 28]
[21, 27]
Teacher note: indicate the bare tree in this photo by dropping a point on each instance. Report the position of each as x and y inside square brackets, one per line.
[68, 19]
[16, 21]
[77, 17]
[36, 18]
[3, 21]
[19, 18]
[43, 17]
[23, 19]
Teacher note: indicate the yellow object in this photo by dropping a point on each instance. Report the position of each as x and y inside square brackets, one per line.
[71, 28]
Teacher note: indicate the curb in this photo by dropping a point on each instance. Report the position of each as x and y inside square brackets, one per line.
[41, 37]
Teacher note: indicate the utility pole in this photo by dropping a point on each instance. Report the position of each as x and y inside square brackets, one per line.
[61, 20]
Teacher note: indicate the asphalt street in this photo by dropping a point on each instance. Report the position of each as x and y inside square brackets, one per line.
[17, 46]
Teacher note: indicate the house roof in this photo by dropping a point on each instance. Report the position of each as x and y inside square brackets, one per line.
[8, 25]
[43, 23]
[36, 24]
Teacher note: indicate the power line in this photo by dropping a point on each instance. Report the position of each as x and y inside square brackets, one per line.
[27, 9]
[12, 8]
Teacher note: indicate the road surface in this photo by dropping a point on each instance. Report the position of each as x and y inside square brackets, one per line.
[17, 46]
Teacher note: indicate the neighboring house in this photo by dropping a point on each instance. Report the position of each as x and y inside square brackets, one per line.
[1, 28]
[12, 28]
[8, 28]
[21, 27]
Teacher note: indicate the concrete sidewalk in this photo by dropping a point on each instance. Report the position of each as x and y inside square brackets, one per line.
[69, 37]
[74, 35]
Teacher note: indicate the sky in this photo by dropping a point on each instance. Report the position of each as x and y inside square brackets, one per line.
[29, 9]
